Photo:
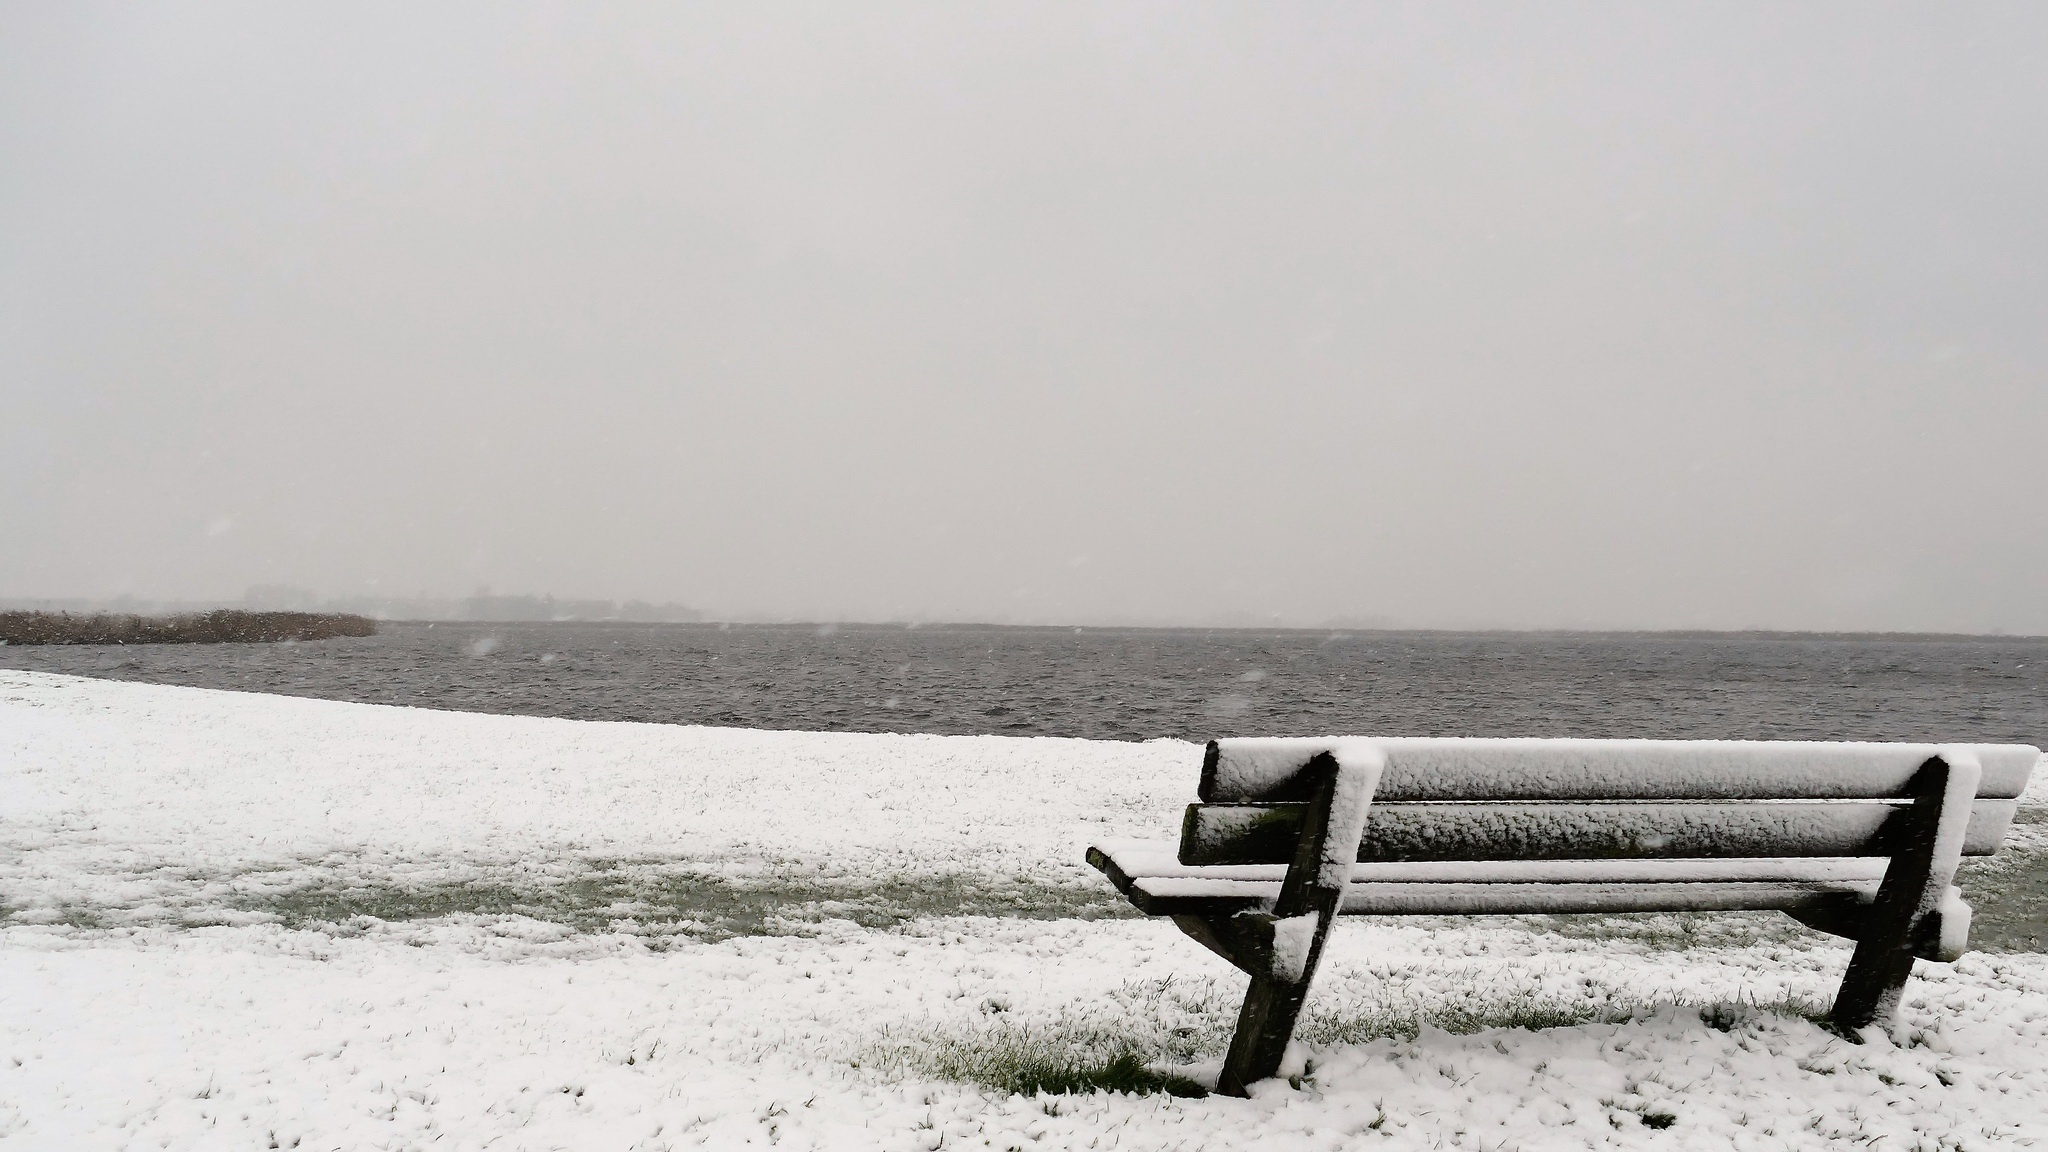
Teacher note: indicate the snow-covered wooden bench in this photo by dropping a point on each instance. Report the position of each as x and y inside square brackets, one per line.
[1857, 839]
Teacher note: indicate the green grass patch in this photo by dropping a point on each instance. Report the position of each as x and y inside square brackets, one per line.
[664, 900]
[1143, 1037]
[1461, 1019]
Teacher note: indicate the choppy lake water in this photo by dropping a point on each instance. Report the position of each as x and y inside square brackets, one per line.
[1125, 684]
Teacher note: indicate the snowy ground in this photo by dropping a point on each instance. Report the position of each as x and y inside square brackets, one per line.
[253, 921]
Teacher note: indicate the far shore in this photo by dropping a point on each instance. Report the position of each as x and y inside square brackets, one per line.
[225, 626]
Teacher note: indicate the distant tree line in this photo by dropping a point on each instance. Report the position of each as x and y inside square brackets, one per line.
[226, 626]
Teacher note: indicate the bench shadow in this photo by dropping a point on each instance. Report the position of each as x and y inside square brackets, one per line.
[1668, 931]
[1175, 1046]
[1061, 1057]
[1021, 1063]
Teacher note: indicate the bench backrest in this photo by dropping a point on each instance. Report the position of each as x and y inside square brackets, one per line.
[1479, 799]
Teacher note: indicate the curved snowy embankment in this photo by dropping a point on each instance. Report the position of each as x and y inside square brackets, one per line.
[167, 856]
[144, 805]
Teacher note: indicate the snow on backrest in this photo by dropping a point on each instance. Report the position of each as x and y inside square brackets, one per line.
[1254, 770]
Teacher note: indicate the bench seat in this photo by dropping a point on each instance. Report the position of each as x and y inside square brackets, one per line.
[1150, 874]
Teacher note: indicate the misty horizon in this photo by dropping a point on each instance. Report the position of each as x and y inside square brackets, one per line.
[544, 608]
[1589, 318]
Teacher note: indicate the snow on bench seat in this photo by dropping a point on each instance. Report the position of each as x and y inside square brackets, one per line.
[1479, 768]
[1156, 858]
[1157, 883]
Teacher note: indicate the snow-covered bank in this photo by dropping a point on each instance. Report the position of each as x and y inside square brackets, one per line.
[133, 804]
[150, 996]
[456, 1037]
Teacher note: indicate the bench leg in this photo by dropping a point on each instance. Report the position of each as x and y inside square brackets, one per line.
[1874, 985]
[1910, 900]
[1265, 1024]
[1291, 936]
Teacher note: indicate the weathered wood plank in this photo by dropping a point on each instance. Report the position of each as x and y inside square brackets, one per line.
[1268, 833]
[1260, 770]
[1169, 897]
[1156, 858]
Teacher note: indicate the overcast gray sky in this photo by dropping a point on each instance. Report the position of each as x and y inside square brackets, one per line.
[1521, 315]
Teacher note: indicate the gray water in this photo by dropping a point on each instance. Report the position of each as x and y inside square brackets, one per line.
[1126, 684]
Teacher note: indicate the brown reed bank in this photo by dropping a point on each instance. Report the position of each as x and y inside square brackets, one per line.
[227, 626]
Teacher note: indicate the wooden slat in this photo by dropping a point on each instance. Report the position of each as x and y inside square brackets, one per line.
[1129, 860]
[1831, 884]
[1268, 770]
[1174, 897]
[1268, 833]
